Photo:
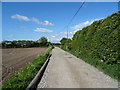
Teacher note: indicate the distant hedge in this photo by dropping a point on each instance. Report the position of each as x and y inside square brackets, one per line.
[42, 42]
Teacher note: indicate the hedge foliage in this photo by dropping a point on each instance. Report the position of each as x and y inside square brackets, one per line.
[100, 39]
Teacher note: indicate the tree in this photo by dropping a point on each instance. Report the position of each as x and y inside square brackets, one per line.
[65, 40]
[43, 41]
[66, 43]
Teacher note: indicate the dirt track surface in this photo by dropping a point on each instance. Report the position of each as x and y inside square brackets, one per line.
[15, 59]
[66, 71]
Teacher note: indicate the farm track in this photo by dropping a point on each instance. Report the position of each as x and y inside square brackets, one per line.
[13, 60]
[66, 71]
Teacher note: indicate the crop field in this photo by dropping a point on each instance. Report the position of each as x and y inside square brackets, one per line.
[13, 60]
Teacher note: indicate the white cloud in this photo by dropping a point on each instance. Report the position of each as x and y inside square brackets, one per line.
[20, 17]
[35, 20]
[47, 23]
[82, 25]
[65, 33]
[43, 30]
[55, 38]
[25, 18]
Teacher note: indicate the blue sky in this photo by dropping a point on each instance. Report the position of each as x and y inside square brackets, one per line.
[32, 20]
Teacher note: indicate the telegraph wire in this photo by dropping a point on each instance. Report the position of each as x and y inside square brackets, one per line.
[74, 17]
[76, 13]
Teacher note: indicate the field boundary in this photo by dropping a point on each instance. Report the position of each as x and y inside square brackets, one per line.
[23, 78]
[37, 78]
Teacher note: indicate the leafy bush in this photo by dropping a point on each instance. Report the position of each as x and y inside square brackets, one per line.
[100, 39]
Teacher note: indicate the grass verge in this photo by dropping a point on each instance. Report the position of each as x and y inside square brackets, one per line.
[22, 79]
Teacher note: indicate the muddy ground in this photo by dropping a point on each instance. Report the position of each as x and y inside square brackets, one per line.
[13, 60]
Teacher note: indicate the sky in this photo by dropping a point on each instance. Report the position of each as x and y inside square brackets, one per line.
[32, 20]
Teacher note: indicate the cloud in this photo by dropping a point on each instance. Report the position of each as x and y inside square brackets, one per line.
[43, 30]
[82, 25]
[20, 17]
[25, 18]
[47, 23]
[35, 20]
[70, 34]
[55, 38]
[65, 33]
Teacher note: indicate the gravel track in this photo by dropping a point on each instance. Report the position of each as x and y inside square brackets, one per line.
[66, 71]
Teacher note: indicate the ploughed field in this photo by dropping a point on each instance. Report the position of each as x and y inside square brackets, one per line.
[14, 59]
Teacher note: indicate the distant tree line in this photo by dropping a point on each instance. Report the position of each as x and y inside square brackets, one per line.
[43, 41]
[55, 44]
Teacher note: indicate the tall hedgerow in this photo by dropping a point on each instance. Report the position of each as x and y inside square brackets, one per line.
[100, 39]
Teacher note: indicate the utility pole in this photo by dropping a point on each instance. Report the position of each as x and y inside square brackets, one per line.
[67, 37]
[67, 31]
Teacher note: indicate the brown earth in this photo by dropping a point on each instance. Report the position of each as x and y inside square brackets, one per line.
[13, 60]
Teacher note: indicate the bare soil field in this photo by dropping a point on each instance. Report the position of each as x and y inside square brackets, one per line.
[13, 60]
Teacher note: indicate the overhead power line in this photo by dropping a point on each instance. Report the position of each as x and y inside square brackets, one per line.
[74, 17]
[76, 13]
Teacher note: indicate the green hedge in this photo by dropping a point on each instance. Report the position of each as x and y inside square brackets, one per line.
[22, 79]
[100, 39]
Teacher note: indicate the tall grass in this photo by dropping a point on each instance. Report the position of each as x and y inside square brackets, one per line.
[22, 79]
